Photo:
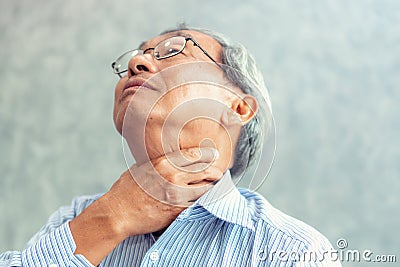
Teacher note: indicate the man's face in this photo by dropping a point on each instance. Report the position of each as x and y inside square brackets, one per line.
[169, 112]
[145, 66]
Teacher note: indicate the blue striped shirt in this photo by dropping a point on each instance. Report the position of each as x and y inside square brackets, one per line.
[225, 227]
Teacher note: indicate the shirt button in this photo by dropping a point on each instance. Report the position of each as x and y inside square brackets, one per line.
[154, 256]
[53, 265]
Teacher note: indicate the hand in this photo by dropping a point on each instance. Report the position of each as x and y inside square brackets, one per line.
[178, 178]
[153, 194]
[174, 180]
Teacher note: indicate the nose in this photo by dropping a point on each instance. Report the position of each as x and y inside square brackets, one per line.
[141, 64]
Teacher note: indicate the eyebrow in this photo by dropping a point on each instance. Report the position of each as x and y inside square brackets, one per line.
[171, 34]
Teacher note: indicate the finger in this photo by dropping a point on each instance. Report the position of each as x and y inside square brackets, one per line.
[189, 156]
[205, 176]
[185, 196]
[199, 167]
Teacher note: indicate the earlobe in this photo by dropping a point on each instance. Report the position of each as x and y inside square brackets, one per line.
[246, 108]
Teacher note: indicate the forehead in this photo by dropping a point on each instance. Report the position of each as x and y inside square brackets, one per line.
[201, 38]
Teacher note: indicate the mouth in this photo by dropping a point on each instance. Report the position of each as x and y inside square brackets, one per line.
[132, 86]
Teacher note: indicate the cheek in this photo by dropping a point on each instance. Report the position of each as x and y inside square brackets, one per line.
[117, 93]
[118, 88]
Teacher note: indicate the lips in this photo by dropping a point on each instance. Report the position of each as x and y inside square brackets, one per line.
[132, 86]
[134, 83]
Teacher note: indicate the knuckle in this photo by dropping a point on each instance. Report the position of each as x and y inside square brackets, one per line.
[194, 153]
[161, 163]
[173, 178]
[171, 197]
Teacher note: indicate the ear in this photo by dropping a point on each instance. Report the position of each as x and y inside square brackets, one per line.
[246, 108]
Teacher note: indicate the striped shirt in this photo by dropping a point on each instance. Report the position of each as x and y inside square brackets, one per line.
[227, 226]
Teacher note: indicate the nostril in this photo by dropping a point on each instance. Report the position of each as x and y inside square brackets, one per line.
[142, 68]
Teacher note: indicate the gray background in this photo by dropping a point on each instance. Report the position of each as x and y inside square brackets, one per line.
[332, 68]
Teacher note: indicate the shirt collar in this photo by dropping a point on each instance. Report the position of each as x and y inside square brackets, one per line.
[225, 202]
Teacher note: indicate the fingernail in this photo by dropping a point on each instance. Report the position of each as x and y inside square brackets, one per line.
[216, 153]
[224, 118]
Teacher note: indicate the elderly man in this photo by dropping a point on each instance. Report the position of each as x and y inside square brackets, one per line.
[189, 106]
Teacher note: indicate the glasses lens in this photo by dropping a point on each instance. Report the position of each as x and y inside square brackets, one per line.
[121, 64]
[169, 47]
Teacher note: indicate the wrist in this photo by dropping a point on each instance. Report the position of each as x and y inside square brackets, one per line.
[116, 216]
[97, 231]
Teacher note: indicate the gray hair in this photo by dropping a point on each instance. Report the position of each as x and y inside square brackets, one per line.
[242, 71]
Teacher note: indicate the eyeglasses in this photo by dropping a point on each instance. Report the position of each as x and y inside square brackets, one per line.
[168, 48]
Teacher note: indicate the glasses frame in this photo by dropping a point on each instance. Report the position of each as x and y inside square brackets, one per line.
[141, 52]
